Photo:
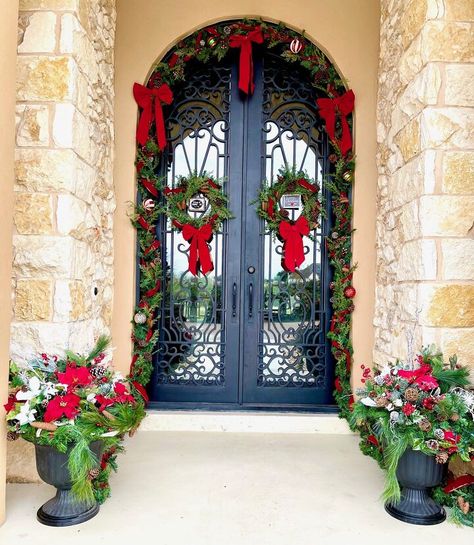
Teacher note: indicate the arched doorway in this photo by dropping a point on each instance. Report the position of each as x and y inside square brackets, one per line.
[249, 334]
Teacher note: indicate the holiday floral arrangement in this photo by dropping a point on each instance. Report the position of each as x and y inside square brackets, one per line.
[70, 402]
[425, 407]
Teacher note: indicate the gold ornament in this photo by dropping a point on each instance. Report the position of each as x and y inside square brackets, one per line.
[296, 46]
[347, 176]
[148, 204]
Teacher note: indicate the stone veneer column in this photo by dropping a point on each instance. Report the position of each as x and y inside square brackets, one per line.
[425, 132]
[64, 199]
[63, 246]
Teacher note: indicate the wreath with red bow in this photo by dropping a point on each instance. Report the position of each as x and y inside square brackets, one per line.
[198, 230]
[290, 232]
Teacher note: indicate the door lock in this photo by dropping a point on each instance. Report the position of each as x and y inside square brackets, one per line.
[251, 270]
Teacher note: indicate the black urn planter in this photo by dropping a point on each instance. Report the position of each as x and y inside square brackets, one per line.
[417, 473]
[64, 509]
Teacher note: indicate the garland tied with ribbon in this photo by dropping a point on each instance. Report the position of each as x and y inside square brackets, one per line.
[334, 103]
[290, 233]
[198, 231]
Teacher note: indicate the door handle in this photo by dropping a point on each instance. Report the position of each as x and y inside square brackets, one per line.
[250, 299]
[234, 300]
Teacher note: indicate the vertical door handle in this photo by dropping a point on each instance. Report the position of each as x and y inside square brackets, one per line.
[250, 299]
[234, 299]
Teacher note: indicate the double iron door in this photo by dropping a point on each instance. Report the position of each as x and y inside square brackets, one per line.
[248, 334]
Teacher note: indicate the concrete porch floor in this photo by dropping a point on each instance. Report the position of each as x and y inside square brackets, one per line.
[204, 488]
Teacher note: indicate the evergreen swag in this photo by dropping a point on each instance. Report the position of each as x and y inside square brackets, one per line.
[68, 403]
[335, 103]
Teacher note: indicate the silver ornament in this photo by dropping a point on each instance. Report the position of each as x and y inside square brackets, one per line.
[139, 318]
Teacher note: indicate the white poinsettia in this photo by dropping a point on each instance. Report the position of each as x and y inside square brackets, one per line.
[26, 414]
[34, 390]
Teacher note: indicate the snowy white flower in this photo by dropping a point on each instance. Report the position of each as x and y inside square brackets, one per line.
[394, 416]
[398, 402]
[390, 407]
[34, 389]
[368, 401]
[91, 398]
[26, 415]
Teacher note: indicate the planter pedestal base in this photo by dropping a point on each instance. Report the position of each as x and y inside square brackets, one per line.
[65, 510]
[416, 507]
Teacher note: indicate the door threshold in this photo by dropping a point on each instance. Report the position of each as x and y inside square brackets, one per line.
[244, 422]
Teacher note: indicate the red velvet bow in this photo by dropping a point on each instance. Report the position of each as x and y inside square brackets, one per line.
[244, 41]
[199, 255]
[292, 235]
[341, 106]
[145, 98]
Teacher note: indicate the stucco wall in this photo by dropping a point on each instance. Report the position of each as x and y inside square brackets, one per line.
[348, 31]
[8, 20]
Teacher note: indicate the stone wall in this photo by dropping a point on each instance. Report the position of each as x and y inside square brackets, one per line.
[425, 133]
[64, 200]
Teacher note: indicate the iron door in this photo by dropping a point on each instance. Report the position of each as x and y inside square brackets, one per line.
[248, 335]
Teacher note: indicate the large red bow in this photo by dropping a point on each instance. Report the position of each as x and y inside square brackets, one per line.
[244, 41]
[199, 255]
[341, 106]
[145, 97]
[292, 235]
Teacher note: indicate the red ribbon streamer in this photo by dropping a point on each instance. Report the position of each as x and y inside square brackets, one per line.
[292, 235]
[149, 335]
[341, 106]
[153, 246]
[154, 290]
[149, 187]
[244, 41]
[459, 482]
[303, 183]
[199, 255]
[145, 98]
[142, 221]
[139, 387]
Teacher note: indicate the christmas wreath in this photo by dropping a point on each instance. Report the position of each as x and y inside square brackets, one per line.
[299, 191]
[334, 104]
[209, 198]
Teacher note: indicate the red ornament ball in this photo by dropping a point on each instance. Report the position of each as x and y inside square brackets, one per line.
[350, 292]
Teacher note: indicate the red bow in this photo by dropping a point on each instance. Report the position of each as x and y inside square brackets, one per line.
[199, 255]
[341, 106]
[244, 41]
[292, 235]
[145, 97]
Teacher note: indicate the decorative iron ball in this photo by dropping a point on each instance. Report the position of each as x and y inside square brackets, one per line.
[202, 43]
[347, 176]
[227, 30]
[350, 292]
[139, 318]
[148, 204]
[332, 158]
[296, 46]
[334, 235]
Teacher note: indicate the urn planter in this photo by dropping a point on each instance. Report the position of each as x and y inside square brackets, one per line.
[64, 509]
[417, 473]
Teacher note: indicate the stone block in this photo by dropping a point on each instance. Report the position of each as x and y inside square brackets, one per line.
[44, 78]
[33, 214]
[21, 462]
[412, 20]
[63, 125]
[70, 215]
[418, 261]
[423, 90]
[411, 62]
[32, 125]
[33, 300]
[74, 40]
[459, 87]
[450, 305]
[79, 301]
[459, 342]
[409, 221]
[45, 170]
[445, 128]
[459, 10]
[447, 41]
[446, 215]
[40, 33]
[458, 172]
[408, 139]
[458, 259]
[30, 339]
[71, 302]
[413, 179]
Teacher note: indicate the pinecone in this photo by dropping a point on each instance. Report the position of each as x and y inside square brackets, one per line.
[382, 401]
[94, 473]
[454, 417]
[411, 394]
[442, 457]
[97, 371]
[12, 435]
[425, 425]
[439, 434]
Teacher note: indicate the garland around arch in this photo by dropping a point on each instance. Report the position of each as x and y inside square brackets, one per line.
[334, 104]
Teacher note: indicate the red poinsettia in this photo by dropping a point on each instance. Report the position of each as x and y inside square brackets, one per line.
[65, 405]
[429, 403]
[426, 382]
[104, 402]
[75, 376]
[10, 404]
[408, 409]
[123, 395]
[453, 439]
[373, 440]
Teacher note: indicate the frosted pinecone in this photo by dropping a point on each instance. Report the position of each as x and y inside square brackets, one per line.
[97, 371]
